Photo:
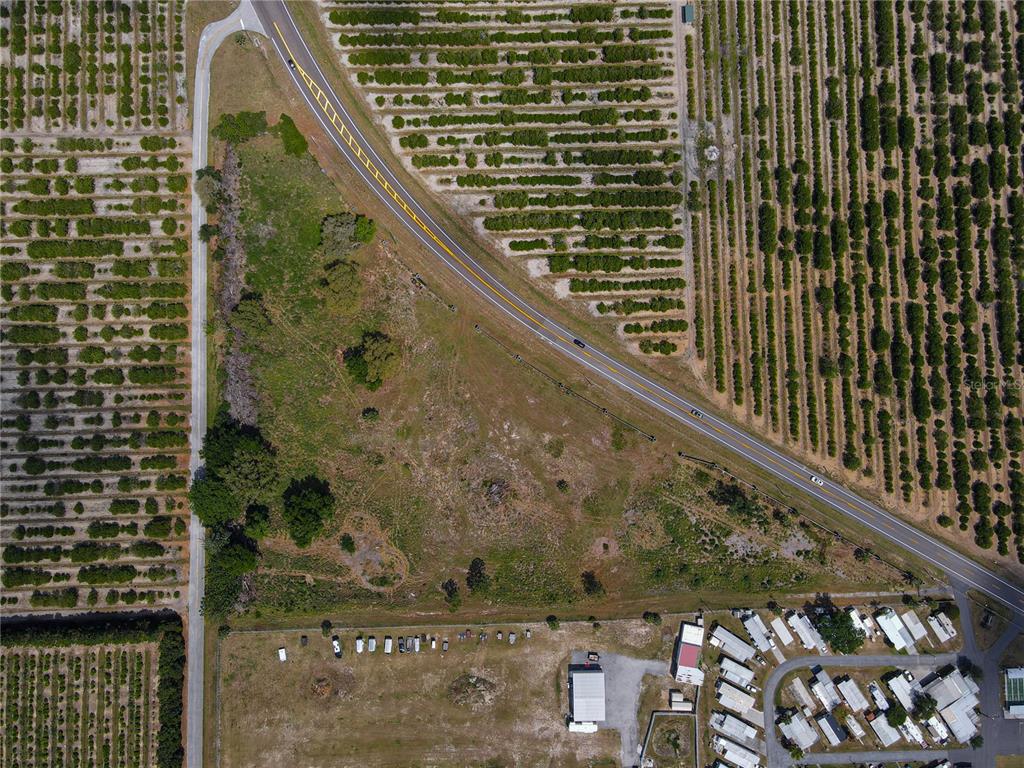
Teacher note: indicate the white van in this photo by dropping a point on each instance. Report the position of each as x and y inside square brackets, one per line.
[371, 644]
[359, 645]
[387, 644]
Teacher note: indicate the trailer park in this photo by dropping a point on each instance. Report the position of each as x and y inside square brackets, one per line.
[730, 689]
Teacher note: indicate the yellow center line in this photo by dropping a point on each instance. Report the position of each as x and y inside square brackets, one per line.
[349, 138]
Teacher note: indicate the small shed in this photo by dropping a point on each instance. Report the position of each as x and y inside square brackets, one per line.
[686, 13]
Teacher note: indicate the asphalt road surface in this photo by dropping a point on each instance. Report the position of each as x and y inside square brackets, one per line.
[211, 38]
[311, 82]
[919, 665]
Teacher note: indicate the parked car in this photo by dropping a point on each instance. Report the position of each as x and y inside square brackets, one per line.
[444, 645]
[371, 644]
[511, 638]
[416, 644]
[336, 644]
[387, 644]
[359, 645]
[433, 643]
[401, 645]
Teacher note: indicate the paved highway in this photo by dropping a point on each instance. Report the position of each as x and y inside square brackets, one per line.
[314, 86]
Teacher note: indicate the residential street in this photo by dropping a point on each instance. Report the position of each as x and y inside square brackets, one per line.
[244, 17]
[1001, 737]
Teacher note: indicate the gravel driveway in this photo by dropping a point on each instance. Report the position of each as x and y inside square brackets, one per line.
[623, 677]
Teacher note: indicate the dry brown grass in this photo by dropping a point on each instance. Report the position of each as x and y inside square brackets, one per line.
[315, 710]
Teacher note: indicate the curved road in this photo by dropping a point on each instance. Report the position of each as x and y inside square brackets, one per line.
[315, 88]
[778, 756]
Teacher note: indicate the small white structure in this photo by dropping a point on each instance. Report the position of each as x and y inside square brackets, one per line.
[942, 627]
[732, 727]
[586, 695]
[854, 727]
[735, 753]
[737, 674]
[688, 650]
[282, 654]
[895, 632]
[859, 622]
[677, 702]
[835, 734]
[801, 693]
[937, 729]
[887, 735]
[810, 638]
[912, 732]
[917, 630]
[780, 629]
[758, 632]
[731, 645]
[852, 693]
[799, 731]
[732, 698]
[881, 702]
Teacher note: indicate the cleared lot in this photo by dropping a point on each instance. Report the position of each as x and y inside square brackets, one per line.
[488, 702]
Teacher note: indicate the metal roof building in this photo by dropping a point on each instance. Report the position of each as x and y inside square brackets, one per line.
[809, 637]
[586, 693]
[853, 695]
[894, 630]
[737, 673]
[834, 732]
[799, 689]
[735, 753]
[732, 726]
[1013, 688]
[887, 735]
[956, 698]
[780, 629]
[942, 626]
[733, 698]
[917, 630]
[799, 731]
[823, 687]
[731, 645]
[688, 649]
[758, 632]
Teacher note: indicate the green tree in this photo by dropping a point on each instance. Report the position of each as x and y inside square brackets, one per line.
[372, 360]
[896, 715]
[365, 229]
[476, 577]
[592, 586]
[451, 594]
[837, 629]
[924, 706]
[257, 521]
[308, 504]
[213, 502]
[252, 472]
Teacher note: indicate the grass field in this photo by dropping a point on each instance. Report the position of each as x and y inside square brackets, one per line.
[388, 710]
[466, 453]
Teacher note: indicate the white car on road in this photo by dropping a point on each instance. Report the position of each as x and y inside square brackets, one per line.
[817, 481]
